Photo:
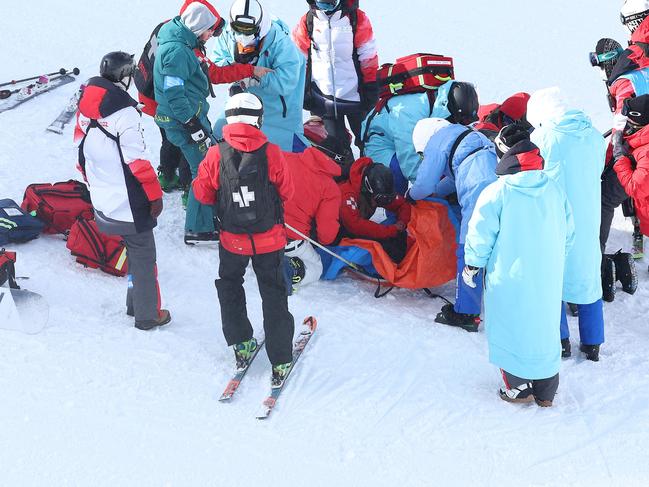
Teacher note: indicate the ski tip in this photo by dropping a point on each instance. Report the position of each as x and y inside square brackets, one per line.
[311, 322]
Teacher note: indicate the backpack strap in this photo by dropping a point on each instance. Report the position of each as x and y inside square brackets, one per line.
[455, 147]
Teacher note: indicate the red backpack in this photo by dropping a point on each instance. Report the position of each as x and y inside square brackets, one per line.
[96, 250]
[7, 269]
[58, 205]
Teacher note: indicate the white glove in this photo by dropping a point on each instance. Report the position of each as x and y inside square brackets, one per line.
[250, 82]
[468, 274]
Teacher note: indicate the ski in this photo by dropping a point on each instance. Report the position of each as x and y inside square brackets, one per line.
[67, 113]
[238, 376]
[298, 347]
[32, 91]
[638, 240]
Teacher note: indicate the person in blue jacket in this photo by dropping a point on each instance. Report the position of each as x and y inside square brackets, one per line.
[574, 153]
[455, 159]
[387, 135]
[520, 233]
[253, 37]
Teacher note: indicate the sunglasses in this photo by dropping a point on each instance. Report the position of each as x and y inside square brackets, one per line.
[384, 199]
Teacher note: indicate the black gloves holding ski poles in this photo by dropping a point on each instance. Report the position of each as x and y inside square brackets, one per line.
[197, 132]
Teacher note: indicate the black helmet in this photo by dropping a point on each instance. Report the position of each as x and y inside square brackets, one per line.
[463, 103]
[510, 135]
[117, 65]
[378, 183]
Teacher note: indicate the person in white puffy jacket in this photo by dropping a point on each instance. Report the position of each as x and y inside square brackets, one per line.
[342, 61]
[124, 188]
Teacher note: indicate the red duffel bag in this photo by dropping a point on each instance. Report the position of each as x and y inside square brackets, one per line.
[97, 250]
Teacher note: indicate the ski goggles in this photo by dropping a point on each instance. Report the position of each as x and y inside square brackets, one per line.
[597, 60]
[383, 200]
[246, 25]
[632, 22]
[327, 6]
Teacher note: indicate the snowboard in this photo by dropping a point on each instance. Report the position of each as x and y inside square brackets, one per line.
[22, 310]
[32, 91]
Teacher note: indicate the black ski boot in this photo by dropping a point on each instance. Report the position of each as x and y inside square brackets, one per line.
[625, 271]
[200, 238]
[591, 351]
[608, 278]
[565, 348]
[448, 316]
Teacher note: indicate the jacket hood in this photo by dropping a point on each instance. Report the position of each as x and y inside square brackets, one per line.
[530, 183]
[317, 162]
[639, 139]
[573, 122]
[244, 137]
[515, 106]
[356, 172]
[101, 98]
[545, 105]
[523, 156]
[176, 31]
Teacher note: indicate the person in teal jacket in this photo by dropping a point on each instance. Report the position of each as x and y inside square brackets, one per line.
[387, 134]
[181, 90]
[267, 42]
[574, 152]
[520, 232]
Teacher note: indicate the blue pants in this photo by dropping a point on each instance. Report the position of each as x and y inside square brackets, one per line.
[298, 145]
[591, 323]
[467, 300]
[400, 181]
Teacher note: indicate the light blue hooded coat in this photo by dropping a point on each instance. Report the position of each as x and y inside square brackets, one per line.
[282, 91]
[574, 153]
[519, 233]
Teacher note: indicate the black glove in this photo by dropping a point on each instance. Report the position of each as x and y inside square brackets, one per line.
[156, 208]
[620, 146]
[196, 130]
[369, 96]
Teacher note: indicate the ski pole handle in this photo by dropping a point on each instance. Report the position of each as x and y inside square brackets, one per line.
[61, 71]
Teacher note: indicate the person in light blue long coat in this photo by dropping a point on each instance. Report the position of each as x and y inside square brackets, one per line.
[574, 152]
[281, 91]
[471, 169]
[520, 232]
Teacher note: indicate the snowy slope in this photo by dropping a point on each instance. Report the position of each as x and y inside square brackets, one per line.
[383, 396]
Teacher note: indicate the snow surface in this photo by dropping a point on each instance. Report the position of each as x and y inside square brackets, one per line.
[382, 396]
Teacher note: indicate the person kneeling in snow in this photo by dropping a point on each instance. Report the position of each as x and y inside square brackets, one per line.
[519, 233]
[125, 191]
[371, 186]
[248, 179]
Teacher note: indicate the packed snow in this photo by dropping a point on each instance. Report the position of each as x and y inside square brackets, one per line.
[383, 396]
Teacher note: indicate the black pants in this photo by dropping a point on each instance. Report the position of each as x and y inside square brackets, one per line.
[613, 195]
[143, 294]
[543, 389]
[171, 158]
[278, 321]
[337, 129]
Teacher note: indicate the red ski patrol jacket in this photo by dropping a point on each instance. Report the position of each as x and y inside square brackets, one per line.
[634, 176]
[634, 58]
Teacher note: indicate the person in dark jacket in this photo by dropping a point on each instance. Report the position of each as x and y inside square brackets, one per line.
[248, 180]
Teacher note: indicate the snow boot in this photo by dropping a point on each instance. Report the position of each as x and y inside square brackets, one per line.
[243, 352]
[448, 316]
[591, 351]
[520, 395]
[625, 271]
[164, 317]
[565, 348]
[192, 238]
[279, 374]
[542, 403]
[608, 278]
[168, 184]
[638, 240]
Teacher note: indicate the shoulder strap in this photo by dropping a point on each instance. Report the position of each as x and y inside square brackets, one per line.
[455, 147]
[309, 24]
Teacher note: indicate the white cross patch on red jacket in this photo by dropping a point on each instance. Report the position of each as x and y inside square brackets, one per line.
[351, 202]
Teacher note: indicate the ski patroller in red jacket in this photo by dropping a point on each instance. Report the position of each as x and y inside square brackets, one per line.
[355, 211]
[494, 116]
[216, 74]
[316, 202]
[246, 138]
[635, 181]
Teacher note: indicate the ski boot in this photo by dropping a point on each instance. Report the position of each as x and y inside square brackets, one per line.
[565, 348]
[243, 352]
[591, 351]
[164, 317]
[448, 316]
[168, 184]
[279, 374]
[625, 271]
[608, 278]
[192, 238]
[521, 395]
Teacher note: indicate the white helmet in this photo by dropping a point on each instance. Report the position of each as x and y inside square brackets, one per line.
[633, 12]
[425, 129]
[245, 108]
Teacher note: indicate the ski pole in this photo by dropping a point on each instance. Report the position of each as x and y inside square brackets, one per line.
[60, 71]
[333, 254]
[7, 93]
[607, 133]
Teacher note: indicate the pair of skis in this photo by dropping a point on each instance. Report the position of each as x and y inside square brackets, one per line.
[269, 403]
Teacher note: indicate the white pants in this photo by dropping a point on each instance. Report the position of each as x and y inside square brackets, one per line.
[304, 251]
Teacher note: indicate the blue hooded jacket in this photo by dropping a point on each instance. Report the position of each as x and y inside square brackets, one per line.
[473, 168]
[574, 153]
[520, 232]
[282, 91]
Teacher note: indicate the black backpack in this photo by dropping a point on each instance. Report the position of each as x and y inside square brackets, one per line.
[143, 76]
[16, 225]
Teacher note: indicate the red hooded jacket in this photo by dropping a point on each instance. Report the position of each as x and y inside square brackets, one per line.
[246, 138]
[355, 211]
[633, 58]
[491, 116]
[317, 196]
[636, 181]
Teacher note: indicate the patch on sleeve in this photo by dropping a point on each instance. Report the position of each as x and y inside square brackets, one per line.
[171, 81]
[351, 202]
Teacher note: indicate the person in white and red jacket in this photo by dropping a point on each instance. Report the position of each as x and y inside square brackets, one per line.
[124, 188]
[342, 61]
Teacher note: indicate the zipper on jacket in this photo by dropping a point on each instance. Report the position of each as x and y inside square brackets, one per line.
[284, 109]
[331, 63]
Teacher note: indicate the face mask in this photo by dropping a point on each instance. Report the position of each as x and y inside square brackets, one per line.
[246, 41]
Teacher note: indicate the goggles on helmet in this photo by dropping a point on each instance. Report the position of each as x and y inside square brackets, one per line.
[598, 59]
[327, 5]
[246, 25]
[632, 22]
[383, 199]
